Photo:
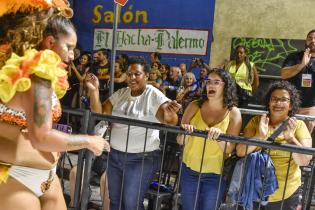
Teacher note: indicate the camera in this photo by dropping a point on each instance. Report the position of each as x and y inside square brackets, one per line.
[198, 61]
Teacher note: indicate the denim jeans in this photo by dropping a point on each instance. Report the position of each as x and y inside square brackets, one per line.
[208, 190]
[131, 189]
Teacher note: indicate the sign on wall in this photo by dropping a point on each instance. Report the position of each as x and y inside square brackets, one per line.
[171, 41]
[179, 30]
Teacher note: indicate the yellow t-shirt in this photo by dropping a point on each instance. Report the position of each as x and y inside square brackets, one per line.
[213, 155]
[239, 75]
[281, 160]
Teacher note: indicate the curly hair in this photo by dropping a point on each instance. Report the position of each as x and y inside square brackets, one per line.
[141, 61]
[293, 92]
[23, 31]
[229, 93]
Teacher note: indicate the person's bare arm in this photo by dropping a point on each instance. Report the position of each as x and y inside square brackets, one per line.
[107, 107]
[92, 84]
[234, 128]
[39, 124]
[291, 71]
[167, 112]
[121, 79]
[189, 113]
[255, 80]
[77, 73]
[289, 135]
[243, 149]
[301, 159]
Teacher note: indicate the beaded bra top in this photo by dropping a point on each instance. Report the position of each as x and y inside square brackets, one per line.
[18, 118]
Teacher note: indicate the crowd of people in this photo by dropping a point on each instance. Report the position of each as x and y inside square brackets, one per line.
[208, 101]
[33, 59]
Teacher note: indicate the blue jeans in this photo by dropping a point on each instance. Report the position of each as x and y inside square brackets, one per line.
[135, 184]
[208, 190]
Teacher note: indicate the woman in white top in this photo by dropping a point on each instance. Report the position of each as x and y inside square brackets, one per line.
[137, 101]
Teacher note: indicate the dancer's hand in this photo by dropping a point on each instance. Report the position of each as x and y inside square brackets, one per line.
[98, 144]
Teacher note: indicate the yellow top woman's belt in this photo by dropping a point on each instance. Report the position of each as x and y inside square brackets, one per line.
[4, 171]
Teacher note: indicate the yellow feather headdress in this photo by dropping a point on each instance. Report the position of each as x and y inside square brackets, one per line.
[28, 6]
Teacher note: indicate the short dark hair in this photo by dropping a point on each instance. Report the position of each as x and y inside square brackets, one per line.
[295, 99]
[157, 55]
[139, 60]
[312, 31]
[229, 96]
[104, 52]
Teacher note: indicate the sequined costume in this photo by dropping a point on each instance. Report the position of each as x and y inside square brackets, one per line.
[15, 76]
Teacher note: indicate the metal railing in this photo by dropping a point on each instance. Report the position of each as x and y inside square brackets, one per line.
[85, 157]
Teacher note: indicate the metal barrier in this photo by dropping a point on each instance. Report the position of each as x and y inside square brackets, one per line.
[85, 157]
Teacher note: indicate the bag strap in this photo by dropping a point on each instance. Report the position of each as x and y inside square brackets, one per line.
[277, 132]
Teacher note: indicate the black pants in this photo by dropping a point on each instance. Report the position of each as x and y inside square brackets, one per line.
[288, 204]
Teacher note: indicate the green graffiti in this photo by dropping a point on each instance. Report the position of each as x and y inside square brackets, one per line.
[267, 54]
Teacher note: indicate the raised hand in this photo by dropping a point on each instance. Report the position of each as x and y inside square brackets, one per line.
[263, 126]
[173, 106]
[288, 132]
[91, 82]
[307, 56]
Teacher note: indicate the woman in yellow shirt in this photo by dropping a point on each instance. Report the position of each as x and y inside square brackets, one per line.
[245, 75]
[202, 160]
[283, 101]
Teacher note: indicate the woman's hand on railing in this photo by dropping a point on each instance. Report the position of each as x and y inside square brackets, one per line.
[213, 133]
[188, 128]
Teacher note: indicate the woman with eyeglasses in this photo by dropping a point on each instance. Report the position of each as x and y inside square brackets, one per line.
[282, 101]
[135, 155]
[216, 113]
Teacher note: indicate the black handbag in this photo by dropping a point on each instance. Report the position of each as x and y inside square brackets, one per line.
[243, 95]
[228, 168]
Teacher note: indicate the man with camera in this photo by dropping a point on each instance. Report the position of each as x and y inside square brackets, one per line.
[299, 69]
[197, 63]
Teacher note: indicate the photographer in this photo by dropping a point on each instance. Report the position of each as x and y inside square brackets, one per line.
[197, 63]
[299, 69]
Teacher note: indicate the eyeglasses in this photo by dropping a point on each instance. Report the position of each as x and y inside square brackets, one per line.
[136, 74]
[282, 100]
[214, 82]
